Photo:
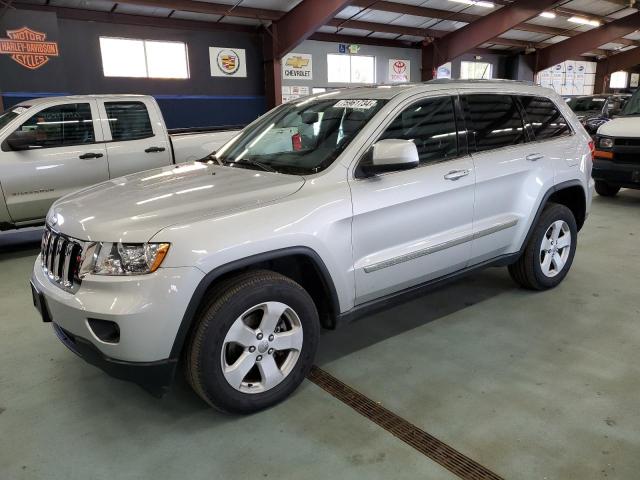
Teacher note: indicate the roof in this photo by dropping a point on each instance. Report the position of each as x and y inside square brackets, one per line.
[80, 98]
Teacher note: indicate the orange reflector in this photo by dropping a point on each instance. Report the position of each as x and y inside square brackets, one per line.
[601, 154]
[163, 248]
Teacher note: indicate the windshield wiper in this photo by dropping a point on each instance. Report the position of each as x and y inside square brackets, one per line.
[263, 166]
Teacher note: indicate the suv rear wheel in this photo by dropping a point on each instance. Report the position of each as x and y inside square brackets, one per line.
[606, 189]
[549, 253]
[254, 342]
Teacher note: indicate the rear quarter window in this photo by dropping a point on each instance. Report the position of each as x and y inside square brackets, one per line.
[544, 118]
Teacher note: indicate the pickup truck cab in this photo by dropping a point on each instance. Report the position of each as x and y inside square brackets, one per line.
[596, 110]
[52, 146]
[322, 210]
[617, 156]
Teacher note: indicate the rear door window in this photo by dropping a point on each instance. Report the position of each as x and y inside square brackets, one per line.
[495, 121]
[544, 118]
[128, 120]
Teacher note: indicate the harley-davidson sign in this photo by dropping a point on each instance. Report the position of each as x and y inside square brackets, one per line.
[28, 47]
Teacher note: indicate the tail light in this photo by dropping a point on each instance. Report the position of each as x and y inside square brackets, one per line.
[296, 142]
[592, 148]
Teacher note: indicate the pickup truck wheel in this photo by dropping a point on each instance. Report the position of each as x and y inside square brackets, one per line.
[254, 342]
[549, 253]
[605, 189]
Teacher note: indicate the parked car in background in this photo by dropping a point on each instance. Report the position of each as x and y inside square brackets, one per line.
[322, 210]
[52, 146]
[595, 110]
[617, 156]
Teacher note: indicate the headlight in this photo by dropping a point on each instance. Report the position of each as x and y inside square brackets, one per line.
[606, 143]
[109, 258]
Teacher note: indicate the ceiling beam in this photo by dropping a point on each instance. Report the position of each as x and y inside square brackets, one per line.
[440, 14]
[559, 52]
[474, 34]
[620, 61]
[139, 20]
[210, 8]
[349, 39]
[302, 21]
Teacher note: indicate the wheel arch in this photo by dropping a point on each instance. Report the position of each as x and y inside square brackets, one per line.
[571, 194]
[302, 264]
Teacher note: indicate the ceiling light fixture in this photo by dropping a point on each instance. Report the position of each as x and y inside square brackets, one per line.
[477, 3]
[584, 21]
[547, 15]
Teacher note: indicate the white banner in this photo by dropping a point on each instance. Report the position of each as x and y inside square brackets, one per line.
[297, 66]
[399, 70]
[227, 62]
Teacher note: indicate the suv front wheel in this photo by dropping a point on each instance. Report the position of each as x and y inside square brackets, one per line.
[254, 342]
[549, 253]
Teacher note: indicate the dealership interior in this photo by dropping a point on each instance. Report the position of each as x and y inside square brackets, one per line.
[474, 377]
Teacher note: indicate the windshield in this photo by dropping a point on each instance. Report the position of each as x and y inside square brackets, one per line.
[632, 107]
[300, 138]
[10, 114]
[587, 104]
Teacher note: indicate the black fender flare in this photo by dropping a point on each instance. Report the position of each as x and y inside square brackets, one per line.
[211, 277]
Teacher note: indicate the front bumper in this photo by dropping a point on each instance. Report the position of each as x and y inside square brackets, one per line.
[147, 309]
[622, 174]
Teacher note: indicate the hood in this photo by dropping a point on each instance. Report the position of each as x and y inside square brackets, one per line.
[135, 207]
[621, 127]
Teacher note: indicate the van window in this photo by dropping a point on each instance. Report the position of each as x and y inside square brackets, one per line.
[128, 120]
[545, 119]
[495, 121]
[431, 125]
[62, 125]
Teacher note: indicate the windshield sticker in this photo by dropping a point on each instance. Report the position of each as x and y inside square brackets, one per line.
[356, 104]
[19, 110]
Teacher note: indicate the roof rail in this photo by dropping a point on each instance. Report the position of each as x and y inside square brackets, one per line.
[497, 80]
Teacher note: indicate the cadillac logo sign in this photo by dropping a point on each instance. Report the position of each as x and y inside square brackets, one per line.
[228, 61]
[28, 47]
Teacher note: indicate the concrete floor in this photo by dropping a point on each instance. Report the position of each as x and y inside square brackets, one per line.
[531, 385]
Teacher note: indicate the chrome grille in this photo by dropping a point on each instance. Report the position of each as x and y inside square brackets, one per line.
[61, 259]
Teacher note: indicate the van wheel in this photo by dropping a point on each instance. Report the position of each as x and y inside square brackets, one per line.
[606, 190]
[549, 253]
[253, 343]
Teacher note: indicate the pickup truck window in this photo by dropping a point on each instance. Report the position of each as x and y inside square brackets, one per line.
[431, 124]
[10, 114]
[300, 138]
[61, 125]
[495, 121]
[544, 118]
[128, 120]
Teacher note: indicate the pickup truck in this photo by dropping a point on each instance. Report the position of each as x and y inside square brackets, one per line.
[53, 146]
[617, 156]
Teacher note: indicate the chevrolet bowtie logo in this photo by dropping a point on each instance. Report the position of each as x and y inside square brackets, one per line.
[297, 62]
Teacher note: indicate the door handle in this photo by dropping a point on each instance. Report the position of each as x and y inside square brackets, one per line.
[155, 149]
[88, 155]
[456, 174]
[534, 157]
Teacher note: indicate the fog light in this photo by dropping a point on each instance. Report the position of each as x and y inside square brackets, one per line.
[105, 330]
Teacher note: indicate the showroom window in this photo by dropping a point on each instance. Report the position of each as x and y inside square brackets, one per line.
[128, 120]
[495, 121]
[476, 70]
[351, 68]
[62, 125]
[619, 80]
[431, 125]
[127, 57]
[544, 118]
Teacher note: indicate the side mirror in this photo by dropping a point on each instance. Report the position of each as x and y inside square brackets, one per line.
[390, 155]
[21, 140]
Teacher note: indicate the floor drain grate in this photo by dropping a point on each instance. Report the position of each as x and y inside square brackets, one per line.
[417, 438]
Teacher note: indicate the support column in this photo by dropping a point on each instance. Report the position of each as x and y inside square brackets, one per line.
[272, 67]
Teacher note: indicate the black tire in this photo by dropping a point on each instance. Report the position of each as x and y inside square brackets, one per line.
[527, 270]
[203, 367]
[606, 189]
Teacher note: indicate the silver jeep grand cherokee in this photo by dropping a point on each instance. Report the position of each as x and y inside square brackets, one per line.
[318, 212]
